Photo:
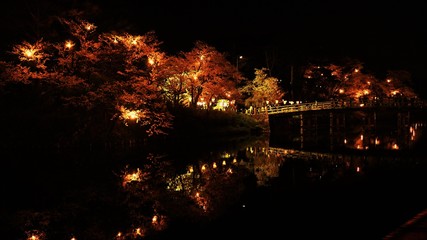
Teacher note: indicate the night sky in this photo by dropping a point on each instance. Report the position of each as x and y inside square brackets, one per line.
[384, 35]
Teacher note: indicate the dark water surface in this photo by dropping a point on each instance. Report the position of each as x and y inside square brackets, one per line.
[324, 179]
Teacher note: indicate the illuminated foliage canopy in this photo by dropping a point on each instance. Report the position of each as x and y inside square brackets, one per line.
[102, 79]
[349, 81]
[262, 89]
[119, 83]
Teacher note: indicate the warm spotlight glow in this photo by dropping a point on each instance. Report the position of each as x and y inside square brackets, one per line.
[154, 219]
[89, 26]
[131, 115]
[132, 177]
[30, 52]
[395, 92]
[69, 45]
[36, 235]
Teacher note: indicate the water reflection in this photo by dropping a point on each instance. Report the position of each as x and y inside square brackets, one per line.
[140, 194]
[271, 163]
[336, 130]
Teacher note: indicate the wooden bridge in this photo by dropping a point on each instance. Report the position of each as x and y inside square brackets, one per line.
[327, 105]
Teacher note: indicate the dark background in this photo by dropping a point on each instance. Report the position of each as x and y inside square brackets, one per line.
[389, 35]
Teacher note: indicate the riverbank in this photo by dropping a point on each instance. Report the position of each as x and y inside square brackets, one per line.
[208, 128]
[196, 126]
[209, 123]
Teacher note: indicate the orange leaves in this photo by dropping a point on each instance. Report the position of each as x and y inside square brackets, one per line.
[209, 74]
[79, 28]
[33, 55]
[98, 72]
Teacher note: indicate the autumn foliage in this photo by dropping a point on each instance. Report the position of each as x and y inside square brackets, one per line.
[102, 86]
[108, 82]
[350, 81]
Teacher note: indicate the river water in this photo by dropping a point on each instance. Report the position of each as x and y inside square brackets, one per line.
[357, 175]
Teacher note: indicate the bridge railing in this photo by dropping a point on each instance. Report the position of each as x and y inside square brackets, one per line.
[300, 107]
[338, 104]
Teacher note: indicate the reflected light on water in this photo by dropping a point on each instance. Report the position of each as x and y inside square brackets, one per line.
[154, 192]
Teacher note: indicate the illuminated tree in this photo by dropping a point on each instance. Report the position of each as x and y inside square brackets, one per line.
[398, 83]
[96, 78]
[209, 75]
[321, 82]
[262, 89]
[175, 79]
[349, 81]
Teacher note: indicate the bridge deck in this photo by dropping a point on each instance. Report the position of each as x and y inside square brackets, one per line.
[326, 105]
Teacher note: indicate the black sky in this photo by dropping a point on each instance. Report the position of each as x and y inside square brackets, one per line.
[384, 34]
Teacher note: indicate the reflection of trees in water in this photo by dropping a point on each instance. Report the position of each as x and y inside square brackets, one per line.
[150, 194]
[266, 164]
[303, 167]
[154, 193]
[289, 167]
[201, 192]
[144, 197]
[367, 129]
